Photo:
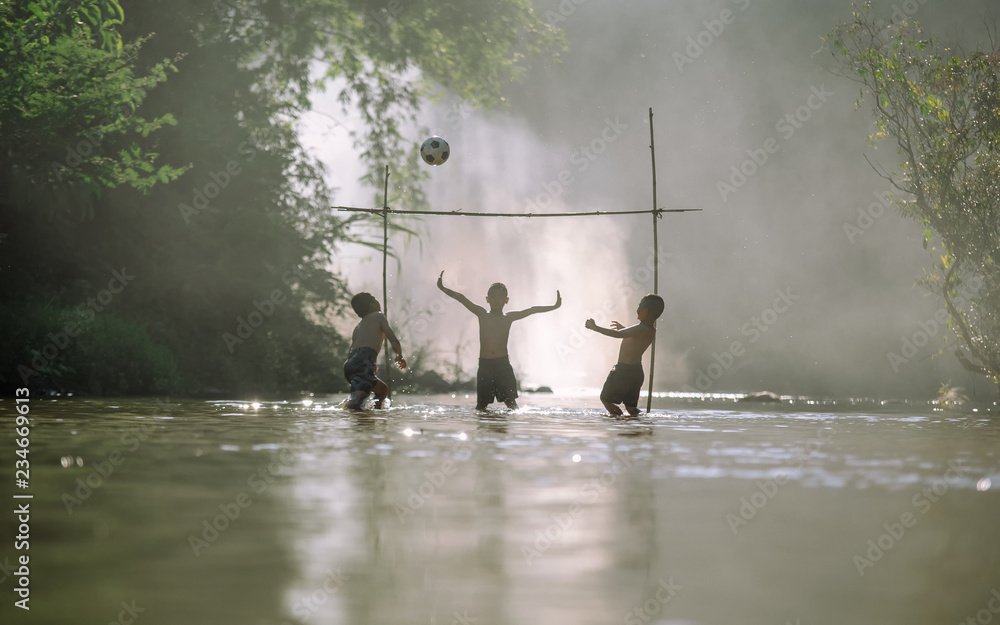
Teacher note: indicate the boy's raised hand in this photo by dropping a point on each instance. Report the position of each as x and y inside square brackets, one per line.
[441, 280]
[589, 324]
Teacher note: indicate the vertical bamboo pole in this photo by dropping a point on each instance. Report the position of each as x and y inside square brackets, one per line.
[656, 263]
[385, 288]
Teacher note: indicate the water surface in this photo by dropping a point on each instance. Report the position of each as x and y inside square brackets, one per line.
[299, 512]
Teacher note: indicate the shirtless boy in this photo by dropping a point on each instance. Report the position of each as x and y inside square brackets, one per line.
[369, 334]
[625, 380]
[495, 378]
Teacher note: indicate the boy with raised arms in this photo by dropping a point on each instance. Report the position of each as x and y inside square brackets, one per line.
[495, 378]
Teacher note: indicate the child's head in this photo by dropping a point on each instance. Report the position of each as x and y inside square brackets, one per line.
[362, 303]
[497, 295]
[653, 304]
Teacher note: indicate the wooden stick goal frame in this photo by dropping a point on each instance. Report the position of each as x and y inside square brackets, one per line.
[656, 212]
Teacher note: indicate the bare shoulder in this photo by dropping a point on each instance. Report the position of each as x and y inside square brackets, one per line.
[517, 315]
[493, 322]
[641, 332]
[372, 322]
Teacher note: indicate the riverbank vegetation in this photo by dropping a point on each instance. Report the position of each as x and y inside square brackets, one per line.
[163, 230]
[939, 107]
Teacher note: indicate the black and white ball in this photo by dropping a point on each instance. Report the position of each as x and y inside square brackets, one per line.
[434, 151]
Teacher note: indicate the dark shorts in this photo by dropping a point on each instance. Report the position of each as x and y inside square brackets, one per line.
[623, 385]
[495, 379]
[359, 370]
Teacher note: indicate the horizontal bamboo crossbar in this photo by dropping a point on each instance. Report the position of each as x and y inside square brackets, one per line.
[460, 213]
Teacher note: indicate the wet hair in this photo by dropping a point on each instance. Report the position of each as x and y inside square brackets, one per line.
[652, 303]
[498, 286]
[362, 302]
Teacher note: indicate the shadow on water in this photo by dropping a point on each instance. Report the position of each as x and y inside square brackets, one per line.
[430, 512]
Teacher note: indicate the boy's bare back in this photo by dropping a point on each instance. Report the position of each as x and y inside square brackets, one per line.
[370, 332]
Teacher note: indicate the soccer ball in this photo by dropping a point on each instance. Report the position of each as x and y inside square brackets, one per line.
[434, 151]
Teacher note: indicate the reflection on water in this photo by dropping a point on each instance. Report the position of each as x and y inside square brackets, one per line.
[227, 512]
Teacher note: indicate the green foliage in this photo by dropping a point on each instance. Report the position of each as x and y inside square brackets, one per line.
[68, 128]
[43, 21]
[942, 112]
[104, 354]
[249, 221]
[117, 357]
[384, 57]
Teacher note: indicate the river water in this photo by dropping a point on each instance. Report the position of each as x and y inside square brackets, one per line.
[705, 512]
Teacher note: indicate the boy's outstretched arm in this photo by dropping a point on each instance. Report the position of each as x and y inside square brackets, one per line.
[475, 309]
[393, 341]
[616, 331]
[521, 314]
